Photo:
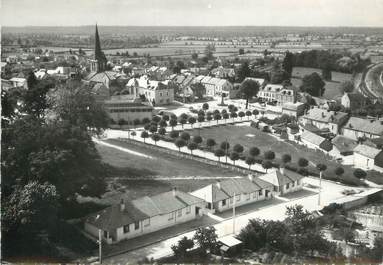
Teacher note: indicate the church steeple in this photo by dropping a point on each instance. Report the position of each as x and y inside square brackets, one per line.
[99, 62]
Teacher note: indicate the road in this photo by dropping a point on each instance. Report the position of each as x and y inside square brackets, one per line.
[331, 192]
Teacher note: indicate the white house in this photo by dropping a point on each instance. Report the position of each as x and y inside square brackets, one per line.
[363, 128]
[144, 215]
[221, 196]
[216, 87]
[283, 181]
[314, 141]
[19, 82]
[277, 93]
[368, 158]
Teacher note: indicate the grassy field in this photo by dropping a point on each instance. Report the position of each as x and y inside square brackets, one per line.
[331, 88]
[145, 172]
[249, 137]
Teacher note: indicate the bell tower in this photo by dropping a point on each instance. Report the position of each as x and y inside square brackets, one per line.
[98, 64]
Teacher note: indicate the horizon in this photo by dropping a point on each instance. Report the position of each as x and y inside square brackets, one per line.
[193, 13]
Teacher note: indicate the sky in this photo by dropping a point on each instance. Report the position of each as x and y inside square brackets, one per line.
[352, 13]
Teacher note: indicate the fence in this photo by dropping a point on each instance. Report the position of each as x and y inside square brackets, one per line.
[192, 157]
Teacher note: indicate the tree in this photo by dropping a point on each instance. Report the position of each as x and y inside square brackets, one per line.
[165, 117]
[233, 115]
[35, 99]
[234, 156]
[254, 151]
[255, 112]
[183, 121]
[266, 164]
[206, 238]
[192, 120]
[180, 250]
[287, 64]
[136, 122]
[174, 134]
[162, 131]
[209, 50]
[185, 136]
[241, 114]
[192, 146]
[153, 128]
[198, 89]
[155, 137]
[243, 71]
[241, 51]
[205, 106]
[286, 158]
[197, 139]
[217, 117]
[250, 160]
[225, 116]
[360, 173]
[219, 153]
[303, 163]
[145, 120]
[156, 119]
[225, 146]
[313, 84]
[278, 76]
[339, 171]
[121, 122]
[346, 87]
[248, 89]
[180, 143]
[269, 155]
[238, 148]
[173, 123]
[200, 119]
[248, 114]
[209, 117]
[163, 123]
[210, 143]
[144, 135]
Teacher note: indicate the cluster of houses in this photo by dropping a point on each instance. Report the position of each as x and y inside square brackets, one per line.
[130, 219]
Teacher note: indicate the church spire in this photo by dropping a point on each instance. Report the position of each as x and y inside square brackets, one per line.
[97, 47]
[99, 62]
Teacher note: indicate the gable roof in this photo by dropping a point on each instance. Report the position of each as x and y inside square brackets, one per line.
[325, 116]
[344, 144]
[113, 217]
[367, 151]
[277, 178]
[312, 138]
[365, 125]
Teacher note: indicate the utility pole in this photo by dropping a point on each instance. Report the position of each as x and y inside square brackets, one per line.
[234, 199]
[99, 246]
[320, 188]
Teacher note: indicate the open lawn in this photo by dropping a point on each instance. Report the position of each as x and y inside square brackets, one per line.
[249, 137]
[139, 176]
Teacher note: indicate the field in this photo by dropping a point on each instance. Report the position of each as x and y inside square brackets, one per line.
[139, 176]
[331, 92]
[249, 137]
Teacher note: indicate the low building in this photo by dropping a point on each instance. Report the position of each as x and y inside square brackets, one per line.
[342, 146]
[293, 109]
[216, 87]
[223, 72]
[322, 119]
[277, 94]
[314, 141]
[108, 78]
[19, 82]
[144, 215]
[127, 108]
[357, 128]
[283, 180]
[222, 195]
[368, 158]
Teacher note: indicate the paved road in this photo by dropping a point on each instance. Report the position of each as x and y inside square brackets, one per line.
[331, 192]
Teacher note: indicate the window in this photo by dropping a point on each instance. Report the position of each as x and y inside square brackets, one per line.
[179, 213]
[293, 184]
[224, 203]
[254, 195]
[161, 94]
[136, 225]
[260, 192]
[106, 234]
[188, 209]
[238, 198]
[147, 222]
[287, 186]
[275, 188]
[167, 93]
[126, 229]
[248, 196]
[170, 216]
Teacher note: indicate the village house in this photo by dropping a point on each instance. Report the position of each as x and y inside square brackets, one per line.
[283, 180]
[353, 101]
[314, 141]
[342, 146]
[155, 92]
[19, 82]
[216, 87]
[293, 109]
[222, 72]
[368, 158]
[144, 215]
[222, 195]
[324, 119]
[277, 94]
[357, 128]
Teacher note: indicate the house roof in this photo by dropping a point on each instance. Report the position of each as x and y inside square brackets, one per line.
[344, 144]
[101, 76]
[325, 116]
[365, 125]
[211, 193]
[277, 178]
[367, 151]
[312, 138]
[113, 217]
[261, 81]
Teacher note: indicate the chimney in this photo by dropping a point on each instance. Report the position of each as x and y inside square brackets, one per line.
[250, 177]
[218, 185]
[122, 205]
[174, 191]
